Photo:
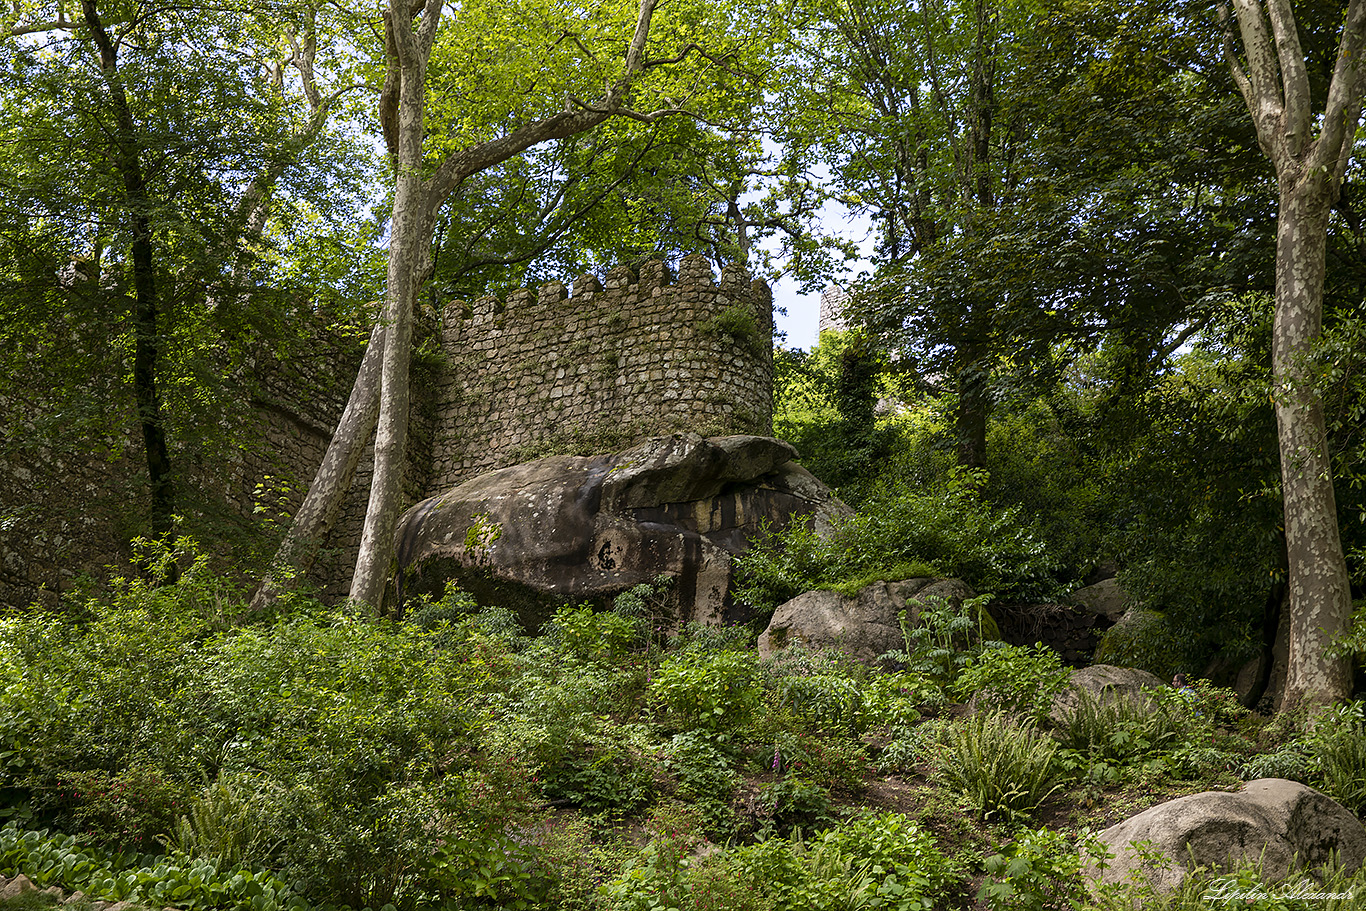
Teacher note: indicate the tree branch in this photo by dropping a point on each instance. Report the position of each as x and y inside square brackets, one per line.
[1298, 113]
[1342, 111]
[1263, 74]
[1231, 57]
[61, 23]
[460, 165]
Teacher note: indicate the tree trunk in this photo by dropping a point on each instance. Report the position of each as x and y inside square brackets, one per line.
[146, 335]
[1275, 85]
[416, 202]
[409, 235]
[1319, 594]
[970, 415]
[318, 513]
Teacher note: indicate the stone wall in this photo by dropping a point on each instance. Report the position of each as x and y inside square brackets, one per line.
[495, 383]
[618, 360]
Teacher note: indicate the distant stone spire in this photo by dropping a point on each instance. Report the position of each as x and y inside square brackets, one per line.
[833, 300]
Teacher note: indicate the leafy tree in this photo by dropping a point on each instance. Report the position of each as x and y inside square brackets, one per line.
[825, 404]
[533, 94]
[1309, 152]
[152, 156]
[1036, 175]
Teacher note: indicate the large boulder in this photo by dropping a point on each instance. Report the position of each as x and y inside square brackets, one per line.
[1282, 823]
[1105, 598]
[1104, 683]
[586, 528]
[864, 625]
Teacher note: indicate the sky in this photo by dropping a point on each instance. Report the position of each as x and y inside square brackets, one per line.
[801, 322]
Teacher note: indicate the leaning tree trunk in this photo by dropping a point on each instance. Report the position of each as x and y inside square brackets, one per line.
[1319, 595]
[416, 202]
[318, 513]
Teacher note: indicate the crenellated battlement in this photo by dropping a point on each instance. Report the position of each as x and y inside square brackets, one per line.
[653, 278]
[601, 364]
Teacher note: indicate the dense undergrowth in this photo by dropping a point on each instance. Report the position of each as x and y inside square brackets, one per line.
[322, 759]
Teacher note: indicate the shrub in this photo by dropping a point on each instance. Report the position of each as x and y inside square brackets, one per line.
[895, 699]
[1145, 639]
[1337, 749]
[484, 871]
[794, 801]
[871, 862]
[947, 527]
[453, 606]
[704, 637]
[648, 607]
[782, 565]
[604, 771]
[704, 778]
[354, 743]
[588, 635]
[1016, 678]
[659, 876]
[367, 744]
[906, 869]
[821, 689]
[716, 691]
[1039, 871]
[1004, 769]
[835, 763]
[577, 866]
[1288, 762]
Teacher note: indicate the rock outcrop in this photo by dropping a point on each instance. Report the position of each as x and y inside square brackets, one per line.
[586, 528]
[1281, 823]
[864, 625]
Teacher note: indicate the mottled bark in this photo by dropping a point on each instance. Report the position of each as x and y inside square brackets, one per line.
[410, 32]
[409, 238]
[1319, 593]
[1275, 85]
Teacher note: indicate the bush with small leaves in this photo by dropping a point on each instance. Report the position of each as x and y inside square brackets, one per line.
[1015, 678]
[871, 862]
[704, 778]
[895, 700]
[593, 636]
[822, 690]
[711, 691]
[1288, 762]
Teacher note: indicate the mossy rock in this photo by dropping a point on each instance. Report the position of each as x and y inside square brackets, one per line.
[1143, 639]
